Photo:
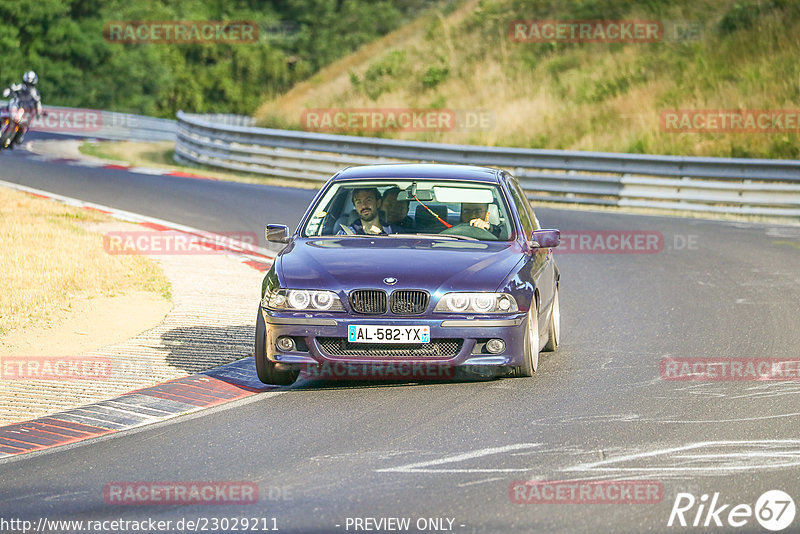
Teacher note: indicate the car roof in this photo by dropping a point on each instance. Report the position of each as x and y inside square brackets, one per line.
[421, 170]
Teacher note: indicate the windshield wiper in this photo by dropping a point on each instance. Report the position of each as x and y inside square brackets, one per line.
[445, 236]
[359, 235]
[410, 236]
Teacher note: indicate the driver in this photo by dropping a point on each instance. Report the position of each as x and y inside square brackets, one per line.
[366, 201]
[477, 215]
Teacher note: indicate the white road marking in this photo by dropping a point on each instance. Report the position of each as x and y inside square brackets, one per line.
[710, 421]
[148, 170]
[633, 418]
[493, 479]
[740, 460]
[423, 467]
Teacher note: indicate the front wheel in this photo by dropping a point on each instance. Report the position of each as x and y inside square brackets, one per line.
[5, 134]
[531, 343]
[265, 369]
[554, 330]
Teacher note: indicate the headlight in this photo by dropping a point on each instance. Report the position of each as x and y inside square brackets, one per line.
[299, 300]
[483, 303]
[456, 302]
[302, 300]
[476, 303]
[323, 300]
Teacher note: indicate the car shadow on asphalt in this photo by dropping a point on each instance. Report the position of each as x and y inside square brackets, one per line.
[320, 379]
[226, 353]
[198, 348]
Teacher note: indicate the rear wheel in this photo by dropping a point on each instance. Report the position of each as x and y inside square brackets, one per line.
[554, 330]
[531, 343]
[265, 369]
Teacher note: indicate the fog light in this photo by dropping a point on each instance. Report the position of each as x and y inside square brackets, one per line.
[495, 346]
[285, 344]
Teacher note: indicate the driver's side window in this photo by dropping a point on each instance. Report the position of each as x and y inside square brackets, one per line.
[523, 208]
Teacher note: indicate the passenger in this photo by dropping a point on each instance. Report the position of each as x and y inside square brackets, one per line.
[396, 211]
[366, 201]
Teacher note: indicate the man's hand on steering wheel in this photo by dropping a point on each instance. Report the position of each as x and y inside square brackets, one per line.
[480, 223]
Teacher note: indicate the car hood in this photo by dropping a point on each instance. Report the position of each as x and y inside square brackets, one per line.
[432, 264]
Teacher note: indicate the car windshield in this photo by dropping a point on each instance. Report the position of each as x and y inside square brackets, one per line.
[397, 207]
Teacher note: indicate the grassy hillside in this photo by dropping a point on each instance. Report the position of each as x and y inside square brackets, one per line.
[583, 96]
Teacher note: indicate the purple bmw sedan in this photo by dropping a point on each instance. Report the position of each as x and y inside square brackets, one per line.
[410, 272]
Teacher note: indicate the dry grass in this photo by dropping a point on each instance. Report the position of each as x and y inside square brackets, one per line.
[48, 259]
[333, 82]
[601, 97]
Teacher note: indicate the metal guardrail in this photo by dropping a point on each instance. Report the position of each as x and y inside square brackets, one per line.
[104, 124]
[726, 185]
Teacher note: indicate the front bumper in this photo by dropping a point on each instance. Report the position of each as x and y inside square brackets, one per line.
[316, 338]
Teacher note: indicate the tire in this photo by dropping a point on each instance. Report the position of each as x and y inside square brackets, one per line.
[265, 369]
[4, 134]
[17, 140]
[531, 344]
[554, 330]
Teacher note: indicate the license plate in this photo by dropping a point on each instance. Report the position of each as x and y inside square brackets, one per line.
[388, 334]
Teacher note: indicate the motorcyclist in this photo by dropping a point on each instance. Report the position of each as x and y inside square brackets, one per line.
[29, 100]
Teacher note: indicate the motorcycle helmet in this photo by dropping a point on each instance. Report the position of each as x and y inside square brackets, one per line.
[30, 78]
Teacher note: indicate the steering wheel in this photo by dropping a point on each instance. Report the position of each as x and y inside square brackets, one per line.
[467, 230]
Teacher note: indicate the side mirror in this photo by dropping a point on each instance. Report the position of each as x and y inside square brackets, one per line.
[545, 238]
[277, 233]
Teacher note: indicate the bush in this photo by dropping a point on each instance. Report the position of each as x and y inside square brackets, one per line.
[382, 75]
[434, 76]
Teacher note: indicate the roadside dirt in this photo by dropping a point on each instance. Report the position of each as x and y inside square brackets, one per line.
[91, 323]
[143, 338]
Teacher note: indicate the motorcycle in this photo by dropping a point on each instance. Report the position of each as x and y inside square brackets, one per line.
[12, 120]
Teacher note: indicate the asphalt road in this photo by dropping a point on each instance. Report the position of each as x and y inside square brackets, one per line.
[211, 205]
[597, 409]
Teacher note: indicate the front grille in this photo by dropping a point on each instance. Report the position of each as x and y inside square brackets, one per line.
[372, 301]
[409, 302]
[437, 348]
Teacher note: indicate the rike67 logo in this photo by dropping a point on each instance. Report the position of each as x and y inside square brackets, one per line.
[774, 510]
